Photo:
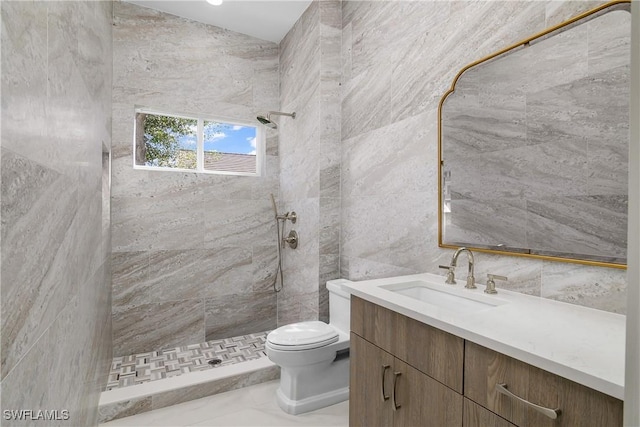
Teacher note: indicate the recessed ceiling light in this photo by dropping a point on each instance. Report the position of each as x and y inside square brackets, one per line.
[215, 2]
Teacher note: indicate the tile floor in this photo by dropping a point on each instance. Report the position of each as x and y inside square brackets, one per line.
[156, 365]
[250, 406]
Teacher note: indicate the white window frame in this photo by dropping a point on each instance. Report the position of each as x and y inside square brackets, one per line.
[201, 118]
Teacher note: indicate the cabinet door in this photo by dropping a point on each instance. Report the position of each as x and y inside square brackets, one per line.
[578, 405]
[423, 401]
[371, 381]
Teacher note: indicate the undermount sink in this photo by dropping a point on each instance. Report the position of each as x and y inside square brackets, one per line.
[451, 299]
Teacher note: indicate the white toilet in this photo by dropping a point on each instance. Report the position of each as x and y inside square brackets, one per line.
[314, 357]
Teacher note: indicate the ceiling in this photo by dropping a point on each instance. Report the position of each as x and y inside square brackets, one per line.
[263, 19]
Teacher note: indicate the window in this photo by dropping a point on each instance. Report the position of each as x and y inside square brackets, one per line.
[176, 142]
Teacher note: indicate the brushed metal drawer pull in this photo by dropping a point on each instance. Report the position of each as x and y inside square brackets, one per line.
[384, 370]
[551, 413]
[395, 383]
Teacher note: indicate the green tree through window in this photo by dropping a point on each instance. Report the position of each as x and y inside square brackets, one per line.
[158, 141]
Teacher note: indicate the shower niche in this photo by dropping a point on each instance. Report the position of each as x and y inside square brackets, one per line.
[533, 145]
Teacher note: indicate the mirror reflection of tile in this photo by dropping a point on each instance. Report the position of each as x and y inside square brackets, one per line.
[535, 146]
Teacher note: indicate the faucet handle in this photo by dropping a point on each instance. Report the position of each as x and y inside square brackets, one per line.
[451, 277]
[491, 284]
[471, 282]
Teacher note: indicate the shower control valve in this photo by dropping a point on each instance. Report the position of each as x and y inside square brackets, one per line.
[291, 239]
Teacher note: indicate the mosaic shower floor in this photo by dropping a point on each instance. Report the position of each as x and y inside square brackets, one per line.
[156, 365]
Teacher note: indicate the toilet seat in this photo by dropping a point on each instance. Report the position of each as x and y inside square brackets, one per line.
[302, 336]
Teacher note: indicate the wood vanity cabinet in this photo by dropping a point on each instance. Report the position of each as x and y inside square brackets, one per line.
[393, 393]
[389, 389]
[578, 405]
[396, 360]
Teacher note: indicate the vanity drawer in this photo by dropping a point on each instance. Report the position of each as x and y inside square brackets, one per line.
[485, 370]
[430, 350]
[475, 415]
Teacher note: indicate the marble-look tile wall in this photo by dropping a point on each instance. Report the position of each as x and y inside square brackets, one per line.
[398, 59]
[55, 291]
[193, 254]
[535, 146]
[310, 78]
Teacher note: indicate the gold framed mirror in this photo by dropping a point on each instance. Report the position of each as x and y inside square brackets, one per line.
[533, 145]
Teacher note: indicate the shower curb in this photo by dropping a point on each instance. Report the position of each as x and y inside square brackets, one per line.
[137, 399]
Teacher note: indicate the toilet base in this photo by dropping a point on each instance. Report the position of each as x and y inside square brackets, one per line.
[310, 387]
[296, 407]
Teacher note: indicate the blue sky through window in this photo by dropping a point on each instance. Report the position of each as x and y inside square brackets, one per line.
[224, 138]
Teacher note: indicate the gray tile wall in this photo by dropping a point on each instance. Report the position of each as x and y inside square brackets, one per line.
[55, 290]
[193, 254]
[310, 78]
[398, 59]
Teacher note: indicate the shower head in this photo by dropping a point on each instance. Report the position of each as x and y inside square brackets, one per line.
[266, 120]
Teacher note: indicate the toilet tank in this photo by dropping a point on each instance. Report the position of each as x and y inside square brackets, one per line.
[339, 305]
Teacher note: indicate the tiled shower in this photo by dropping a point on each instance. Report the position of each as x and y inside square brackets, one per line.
[203, 252]
[197, 265]
[193, 275]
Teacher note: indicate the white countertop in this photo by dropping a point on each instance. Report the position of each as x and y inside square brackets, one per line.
[581, 344]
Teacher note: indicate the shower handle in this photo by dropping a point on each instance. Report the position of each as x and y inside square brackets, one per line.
[291, 216]
[291, 239]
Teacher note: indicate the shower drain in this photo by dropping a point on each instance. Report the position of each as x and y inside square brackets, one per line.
[214, 362]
